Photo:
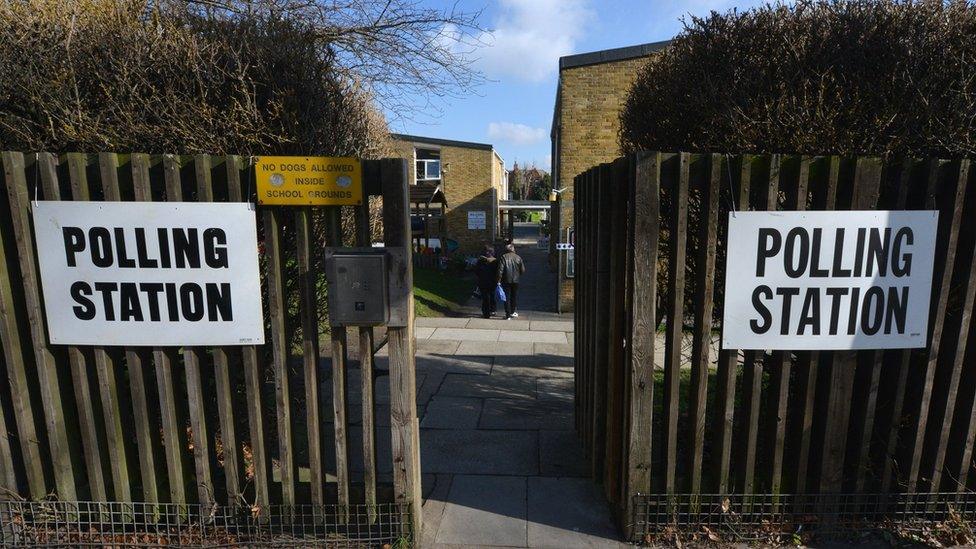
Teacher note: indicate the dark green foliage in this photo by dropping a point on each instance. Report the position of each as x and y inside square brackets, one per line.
[871, 77]
[135, 75]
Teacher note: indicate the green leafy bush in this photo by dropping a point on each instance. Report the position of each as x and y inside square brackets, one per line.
[821, 76]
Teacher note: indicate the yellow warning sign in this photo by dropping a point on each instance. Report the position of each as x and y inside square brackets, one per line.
[309, 181]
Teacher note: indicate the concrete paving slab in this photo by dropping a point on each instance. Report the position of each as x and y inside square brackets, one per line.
[526, 414]
[444, 412]
[465, 334]
[498, 324]
[532, 336]
[515, 387]
[479, 452]
[485, 510]
[553, 325]
[561, 455]
[441, 322]
[569, 513]
[556, 349]
[382, 392]
[422, 332]
[437, 347]
[540, 370]
[562, 363]
[435, 503]
[431, 383]
[454, 364]
[493, 348]
[555, 389]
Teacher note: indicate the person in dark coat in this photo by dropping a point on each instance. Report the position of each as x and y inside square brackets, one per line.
[510, 268]
[486, 272]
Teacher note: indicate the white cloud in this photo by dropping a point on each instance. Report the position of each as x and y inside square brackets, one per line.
[530, 36]
[517, 134]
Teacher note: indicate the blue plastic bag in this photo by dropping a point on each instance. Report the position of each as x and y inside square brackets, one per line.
[500, 294]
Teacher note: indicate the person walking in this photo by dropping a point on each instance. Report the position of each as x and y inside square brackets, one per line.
[486, 272]
[510, 268]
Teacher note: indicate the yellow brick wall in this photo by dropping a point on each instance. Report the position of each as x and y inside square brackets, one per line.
[467, 177]
[591, 98]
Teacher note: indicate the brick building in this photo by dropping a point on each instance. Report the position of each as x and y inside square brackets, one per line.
[472, 177]
[585, 123]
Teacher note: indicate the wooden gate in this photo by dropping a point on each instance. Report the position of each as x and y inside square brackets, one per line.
[240, 429]
[695, 421]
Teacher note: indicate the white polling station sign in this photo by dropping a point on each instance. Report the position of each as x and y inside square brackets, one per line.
[828, 280]
[149, 273]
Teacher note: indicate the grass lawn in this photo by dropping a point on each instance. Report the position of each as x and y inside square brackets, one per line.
[439, 294]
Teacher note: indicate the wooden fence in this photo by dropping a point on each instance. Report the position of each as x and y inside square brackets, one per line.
[209, 426]
[650, 256]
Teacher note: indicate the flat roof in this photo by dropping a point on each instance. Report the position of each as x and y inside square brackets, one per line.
[444, 142]
[611, 55]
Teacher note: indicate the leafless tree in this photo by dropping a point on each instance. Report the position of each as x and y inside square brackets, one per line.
[406, 54]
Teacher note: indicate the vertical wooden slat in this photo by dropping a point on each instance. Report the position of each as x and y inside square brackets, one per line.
[163, 364]
[809, 364]
[404, 426]
[675, 311]
[339, 365]
[904, 358]
[728, 361]
[602, 320]
[310, 350]
[946, 263]
[591, 206]
[15, 356]
[76, 361]
[615, 338]
[194, 380]
[866, 422]
[867, 179]
[133, 360]
[645, 213]
[364, 239]
[704, 304]
[782, 361]
[276, 311]
[222, 384]
[946, 405]
[8, 476]
[47, 374]
[252, 372]
[104, 364]
[752, 364]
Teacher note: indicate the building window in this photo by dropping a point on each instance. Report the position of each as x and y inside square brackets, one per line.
[428, 166]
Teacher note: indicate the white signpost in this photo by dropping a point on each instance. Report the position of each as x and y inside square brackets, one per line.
[828, 280]
[149, 273]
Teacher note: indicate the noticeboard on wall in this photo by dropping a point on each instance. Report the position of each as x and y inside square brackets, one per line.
[477, 220]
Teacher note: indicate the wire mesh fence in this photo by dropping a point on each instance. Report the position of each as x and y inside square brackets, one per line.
[99, 524]
[765, 516]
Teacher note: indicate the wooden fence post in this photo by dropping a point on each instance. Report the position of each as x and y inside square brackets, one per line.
[704, 304]
[645, 212]
[10, 337]
[675, 312]
[404, 424]
[867, 180]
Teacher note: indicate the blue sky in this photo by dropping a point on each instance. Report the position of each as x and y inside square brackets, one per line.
[513, 110]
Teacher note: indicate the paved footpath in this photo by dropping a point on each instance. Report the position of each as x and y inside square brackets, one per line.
[502, 464]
